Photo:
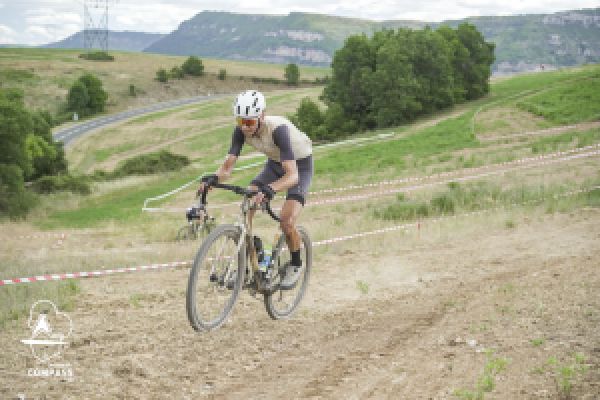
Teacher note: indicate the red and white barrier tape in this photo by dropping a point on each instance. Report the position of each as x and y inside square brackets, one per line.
[44, 236]
[457, 172]
[91, 274]
[519, 163]
[455, 179]
[402, 227]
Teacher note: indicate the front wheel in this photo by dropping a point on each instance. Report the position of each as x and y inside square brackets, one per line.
[215, 279]
[283, 303]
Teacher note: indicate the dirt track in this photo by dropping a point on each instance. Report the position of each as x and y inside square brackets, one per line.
[433, 308]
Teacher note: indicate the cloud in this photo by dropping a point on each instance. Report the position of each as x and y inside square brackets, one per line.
[7, 35]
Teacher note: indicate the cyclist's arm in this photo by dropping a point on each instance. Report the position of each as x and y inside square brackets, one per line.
[289, 179]
[224, 171]
[237, 141]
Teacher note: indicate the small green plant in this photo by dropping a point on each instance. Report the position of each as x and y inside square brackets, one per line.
[132, 91]
[135, 299]
[222, 75]
[537, 342]
[565, 374]
[510, 224]
[486, 382]
[362, 286]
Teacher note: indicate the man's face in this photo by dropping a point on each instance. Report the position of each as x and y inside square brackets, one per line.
[249, 126]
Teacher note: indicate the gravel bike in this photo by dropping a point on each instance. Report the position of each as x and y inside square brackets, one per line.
[231, 258]
[199, 224]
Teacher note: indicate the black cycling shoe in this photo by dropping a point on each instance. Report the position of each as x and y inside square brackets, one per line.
[291, 276]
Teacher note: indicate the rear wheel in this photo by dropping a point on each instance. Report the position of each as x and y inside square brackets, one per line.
[283, 303]
[215, 279]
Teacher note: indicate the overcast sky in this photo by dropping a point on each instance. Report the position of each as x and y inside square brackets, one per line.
[43, 21]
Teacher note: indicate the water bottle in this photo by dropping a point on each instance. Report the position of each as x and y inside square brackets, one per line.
[263, 265]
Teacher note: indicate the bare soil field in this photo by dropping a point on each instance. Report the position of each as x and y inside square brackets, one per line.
[441, 304]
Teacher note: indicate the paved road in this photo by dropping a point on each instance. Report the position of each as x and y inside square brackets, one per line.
[74, 131]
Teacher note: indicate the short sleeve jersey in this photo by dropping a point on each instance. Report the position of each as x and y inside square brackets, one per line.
[277, 138]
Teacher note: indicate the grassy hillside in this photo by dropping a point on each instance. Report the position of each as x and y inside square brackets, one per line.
[463, 137]
[45, 76]
[107, 228]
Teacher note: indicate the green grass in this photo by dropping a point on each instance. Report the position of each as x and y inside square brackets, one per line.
[554, 143]
[567, 104]
[15, 301]
[122, 205]
[481, 196]
[11, 75]
[105, 153]
[449, 135]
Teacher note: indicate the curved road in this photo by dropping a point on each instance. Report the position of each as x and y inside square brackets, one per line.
[68, 134]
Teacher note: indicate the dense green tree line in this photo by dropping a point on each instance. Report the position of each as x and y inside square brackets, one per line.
[28, 152]
[395, 76]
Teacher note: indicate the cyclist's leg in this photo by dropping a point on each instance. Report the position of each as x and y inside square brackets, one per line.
[289, 216]
[294, 202]
[269, 174]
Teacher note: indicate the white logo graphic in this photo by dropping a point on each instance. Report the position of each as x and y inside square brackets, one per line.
[50, 330]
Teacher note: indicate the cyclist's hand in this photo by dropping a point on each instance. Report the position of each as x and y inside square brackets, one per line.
[266, 192]
[207, 182]
[259, 198]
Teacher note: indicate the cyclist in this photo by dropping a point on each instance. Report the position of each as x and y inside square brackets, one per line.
[289, 167]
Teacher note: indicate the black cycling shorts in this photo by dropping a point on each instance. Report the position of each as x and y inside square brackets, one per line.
[273, 170]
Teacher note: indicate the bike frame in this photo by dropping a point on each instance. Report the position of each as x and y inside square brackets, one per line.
[244, 225]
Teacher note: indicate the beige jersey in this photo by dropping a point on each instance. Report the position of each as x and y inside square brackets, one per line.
[277, 138]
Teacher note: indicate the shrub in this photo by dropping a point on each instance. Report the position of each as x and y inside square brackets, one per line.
[222, 74]
[177, 72]
[151, 163]
[15, 201]
[193, 66]
[97, 56]
[132, 91]
[162, 76]
[61, 183]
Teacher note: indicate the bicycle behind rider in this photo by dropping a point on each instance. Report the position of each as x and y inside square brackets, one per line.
[289, 167]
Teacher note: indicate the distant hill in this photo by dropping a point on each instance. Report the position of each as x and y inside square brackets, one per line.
[523, 42]
[126, 41]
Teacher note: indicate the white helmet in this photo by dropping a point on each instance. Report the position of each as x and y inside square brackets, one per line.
[249, 104]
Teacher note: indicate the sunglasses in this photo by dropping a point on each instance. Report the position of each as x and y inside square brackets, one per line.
[247, 121]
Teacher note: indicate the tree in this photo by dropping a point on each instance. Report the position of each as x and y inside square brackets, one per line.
[86, 96]
[193, 66]
[78, 98]
[162, 76]
[309, 117]
[97, 94]
[292, 74]
[352, 67]
[477, 70]
[15, 124]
